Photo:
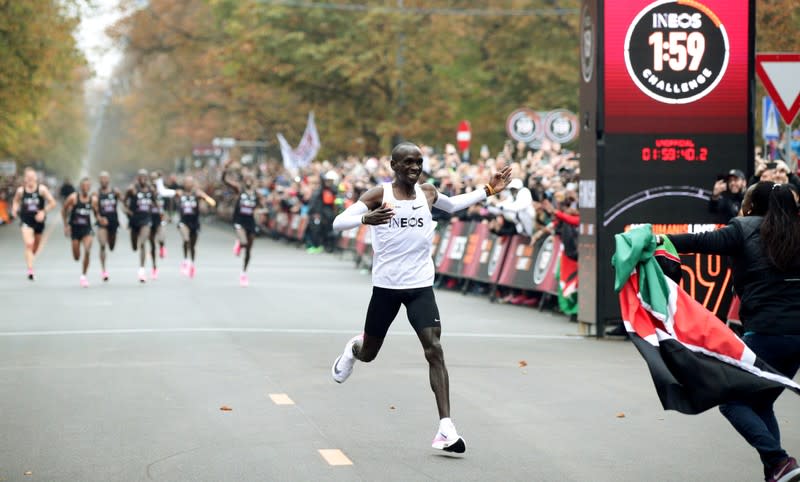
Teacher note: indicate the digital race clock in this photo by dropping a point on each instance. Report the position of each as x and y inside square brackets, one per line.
[671, 150]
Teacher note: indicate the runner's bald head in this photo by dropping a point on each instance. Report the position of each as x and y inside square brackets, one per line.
[403, 149]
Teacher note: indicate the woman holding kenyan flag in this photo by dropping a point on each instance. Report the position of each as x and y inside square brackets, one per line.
[765, 255]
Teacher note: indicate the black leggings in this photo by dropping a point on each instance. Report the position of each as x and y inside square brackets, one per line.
[420, 306]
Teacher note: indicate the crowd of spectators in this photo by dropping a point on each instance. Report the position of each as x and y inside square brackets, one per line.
[8, 185]
[544, 180]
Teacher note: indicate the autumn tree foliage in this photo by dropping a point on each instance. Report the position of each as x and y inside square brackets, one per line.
[249, 69]
[41, 85]
[373, 71]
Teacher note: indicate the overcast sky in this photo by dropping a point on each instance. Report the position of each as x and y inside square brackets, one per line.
[92, 38]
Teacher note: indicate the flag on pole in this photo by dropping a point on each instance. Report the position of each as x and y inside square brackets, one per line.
[287, 154]
[695, 360]
[306, 150]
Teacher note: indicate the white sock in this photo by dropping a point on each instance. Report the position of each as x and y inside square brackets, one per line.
[446, 425]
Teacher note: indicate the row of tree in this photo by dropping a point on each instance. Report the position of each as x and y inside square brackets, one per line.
[250, 69]
[372, 71]
[42, 114]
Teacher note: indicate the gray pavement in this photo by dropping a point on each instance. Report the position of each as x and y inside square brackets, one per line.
[124, 382]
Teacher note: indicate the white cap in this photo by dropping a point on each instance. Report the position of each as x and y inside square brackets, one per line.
[515, 184]
[331, 176]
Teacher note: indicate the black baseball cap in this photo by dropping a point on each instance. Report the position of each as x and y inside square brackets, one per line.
[736, 173]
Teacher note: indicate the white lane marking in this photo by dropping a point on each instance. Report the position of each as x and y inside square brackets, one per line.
[284, 331]
[281, 399]
[335, 457]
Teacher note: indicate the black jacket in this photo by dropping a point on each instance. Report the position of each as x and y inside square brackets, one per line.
[727, 206]
[770, 298]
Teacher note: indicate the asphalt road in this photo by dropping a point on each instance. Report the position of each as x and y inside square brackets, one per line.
[125, 382]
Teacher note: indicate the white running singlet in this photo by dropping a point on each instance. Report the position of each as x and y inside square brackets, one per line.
[402, 248]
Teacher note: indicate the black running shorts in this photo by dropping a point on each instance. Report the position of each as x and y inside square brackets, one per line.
[38, 228]
[79, 232]
[246, 223]
[385, 304]
[112, 226]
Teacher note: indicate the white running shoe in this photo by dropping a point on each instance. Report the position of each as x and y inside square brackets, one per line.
[447, 439]
[343, 366]
[84, 282]
[141, 275]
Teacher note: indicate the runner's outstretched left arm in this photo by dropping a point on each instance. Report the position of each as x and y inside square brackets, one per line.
[462, 201]
[456, 203]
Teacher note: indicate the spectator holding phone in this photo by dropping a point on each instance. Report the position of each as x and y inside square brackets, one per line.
[727, 196]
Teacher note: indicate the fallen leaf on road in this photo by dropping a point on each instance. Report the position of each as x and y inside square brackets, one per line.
[392, 407]
[226, 408]
[524, 372]
[29, 473]
[620, 415]
[523, 363]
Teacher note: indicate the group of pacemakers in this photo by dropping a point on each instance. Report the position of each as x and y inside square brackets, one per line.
[143, 203]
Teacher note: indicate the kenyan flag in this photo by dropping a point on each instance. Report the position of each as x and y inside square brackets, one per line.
[567, 276]
[695, 360]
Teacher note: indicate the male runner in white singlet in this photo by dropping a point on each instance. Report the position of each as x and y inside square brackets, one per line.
[403, 271]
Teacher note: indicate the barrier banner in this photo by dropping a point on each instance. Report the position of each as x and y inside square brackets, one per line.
[476, 239]
[546, 263]
[492, 252]
[457, 249]
[518, 262]
[532, 268]
[451, 249]
[437, 238]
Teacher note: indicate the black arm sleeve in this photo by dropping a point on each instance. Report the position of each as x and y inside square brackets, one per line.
[726, 241]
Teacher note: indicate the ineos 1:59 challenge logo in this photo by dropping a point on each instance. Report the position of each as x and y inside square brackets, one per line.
[676, 51]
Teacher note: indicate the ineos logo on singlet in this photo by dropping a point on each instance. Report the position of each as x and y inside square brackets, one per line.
[406, 223]
[144, 201]
[188, 204]
[247, 203]
[32, 202]
[108, 203]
